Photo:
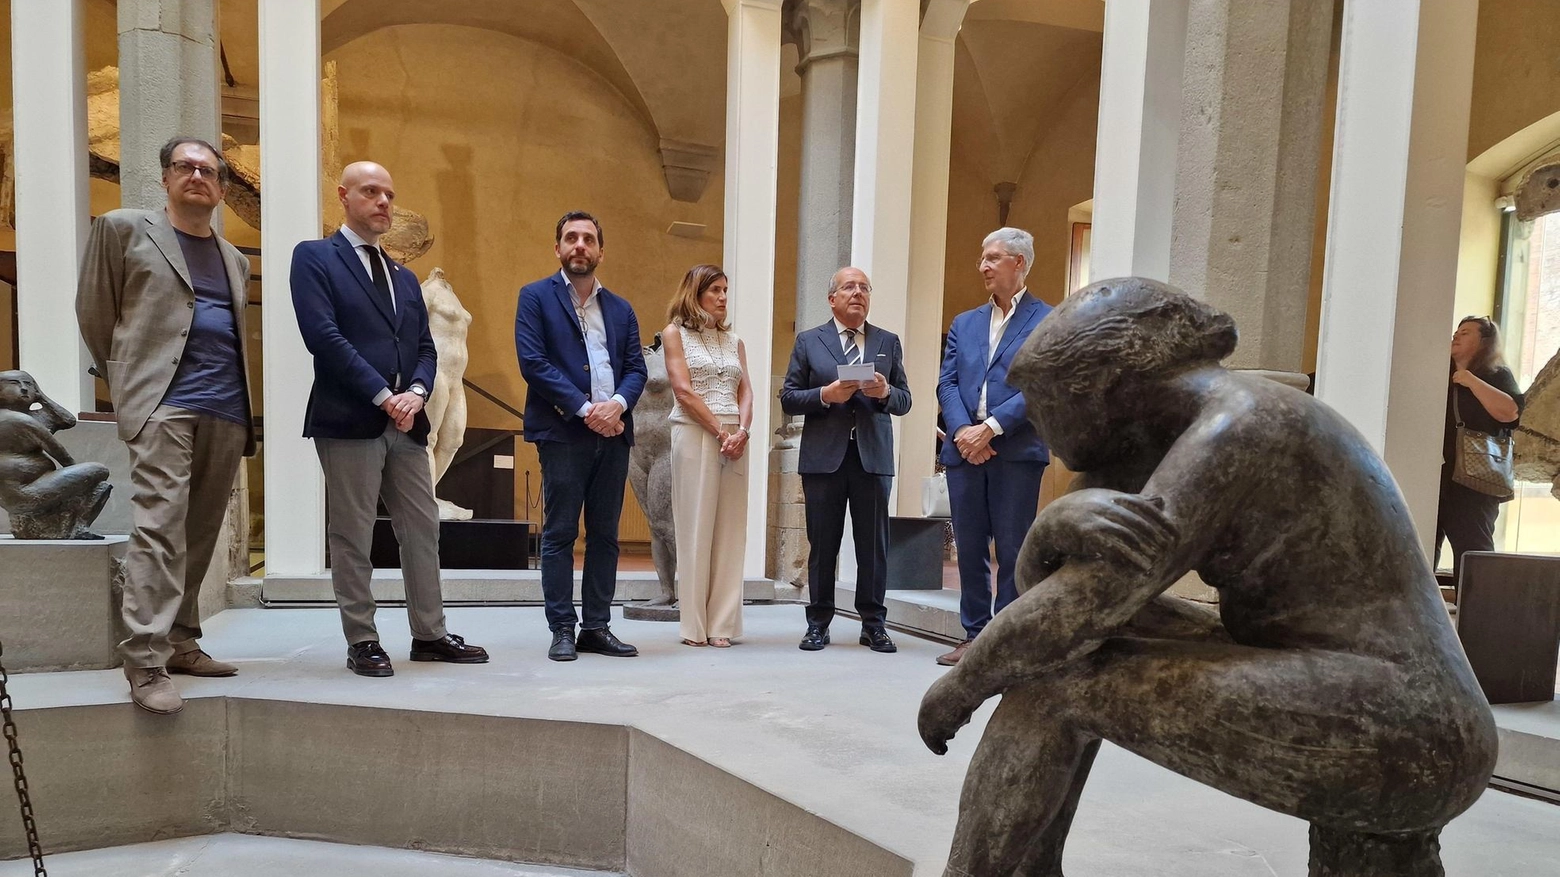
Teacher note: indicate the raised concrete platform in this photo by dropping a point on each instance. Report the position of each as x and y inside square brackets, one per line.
[59, 602]
[478, 586]
[238, 855]
[830, 734]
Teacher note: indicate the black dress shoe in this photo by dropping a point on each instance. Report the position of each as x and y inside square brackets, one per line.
[815, 639]
[449, 648]
[601, 641]
[562, 645]
[368, 659]
[876, 638]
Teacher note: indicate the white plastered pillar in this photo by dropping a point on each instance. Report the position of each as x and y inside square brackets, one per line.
[1399, 155]
[289, 213]
[1139, 131]
[928, 244]
[52, 205]
[752, 161]
[885, 152]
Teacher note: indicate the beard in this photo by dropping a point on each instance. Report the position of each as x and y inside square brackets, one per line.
[581, 266]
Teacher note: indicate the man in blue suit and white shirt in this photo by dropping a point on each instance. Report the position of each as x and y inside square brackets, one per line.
[363, 318]
[847, 453]
[992, 455]
[579, 352]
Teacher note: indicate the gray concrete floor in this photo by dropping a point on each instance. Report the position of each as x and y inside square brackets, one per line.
[238, 855]
[833, 732]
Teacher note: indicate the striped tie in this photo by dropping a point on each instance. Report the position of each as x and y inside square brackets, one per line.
[852, 350]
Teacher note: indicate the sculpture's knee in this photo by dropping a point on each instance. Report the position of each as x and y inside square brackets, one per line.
[1336, 853]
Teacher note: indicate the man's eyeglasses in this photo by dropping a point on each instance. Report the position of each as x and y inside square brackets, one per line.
[188, 169]
[854, 287]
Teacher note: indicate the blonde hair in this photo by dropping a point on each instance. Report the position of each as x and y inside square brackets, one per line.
[684, 310]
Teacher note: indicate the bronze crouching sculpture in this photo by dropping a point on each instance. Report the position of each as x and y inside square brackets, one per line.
[46, 492]
[1329, 685]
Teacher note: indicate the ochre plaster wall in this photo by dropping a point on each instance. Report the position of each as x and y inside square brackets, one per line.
[493, 138]
[1516, 77]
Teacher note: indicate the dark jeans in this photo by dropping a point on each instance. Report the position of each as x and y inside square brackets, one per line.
[587, 475]
[1466, 518]
[991, 503]
[827, 496]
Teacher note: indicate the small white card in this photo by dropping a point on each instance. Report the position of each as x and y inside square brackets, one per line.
[863, 372]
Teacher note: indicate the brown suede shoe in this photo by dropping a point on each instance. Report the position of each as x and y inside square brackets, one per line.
[954, 656]
[153, 691]
[197, 663]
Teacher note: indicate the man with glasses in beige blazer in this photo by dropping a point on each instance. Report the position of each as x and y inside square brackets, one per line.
[161, 305]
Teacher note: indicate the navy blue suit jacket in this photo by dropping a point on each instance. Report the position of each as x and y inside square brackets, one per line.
[965, 370]
[815, 363]
[359, 346]
[550, 343]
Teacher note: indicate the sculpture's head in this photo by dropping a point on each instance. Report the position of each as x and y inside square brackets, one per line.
[1091, 365]
[19, 392]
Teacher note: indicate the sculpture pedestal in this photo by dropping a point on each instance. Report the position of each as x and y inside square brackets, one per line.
[643, 611]
[59, 602]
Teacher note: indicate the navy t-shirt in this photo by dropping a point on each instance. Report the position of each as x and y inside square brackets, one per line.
[210, 377]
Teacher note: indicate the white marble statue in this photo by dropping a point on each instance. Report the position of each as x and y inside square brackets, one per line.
[449, 323]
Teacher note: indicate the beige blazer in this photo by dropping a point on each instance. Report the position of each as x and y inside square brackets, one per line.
[135, 304]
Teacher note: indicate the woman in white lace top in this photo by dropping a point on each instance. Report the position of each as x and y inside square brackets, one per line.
[707, 367]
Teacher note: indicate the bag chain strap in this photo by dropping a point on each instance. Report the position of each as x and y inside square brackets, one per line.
[22, 795]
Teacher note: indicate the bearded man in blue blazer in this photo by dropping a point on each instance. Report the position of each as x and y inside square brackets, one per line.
[363, 318]
[579, 352]
[992, 455]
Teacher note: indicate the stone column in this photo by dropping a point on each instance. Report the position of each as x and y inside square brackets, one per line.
[168, 87]
[1255, 89]
[1139, 127]
[290, 212]
[826, 37]
[52, 208]
[1404, 91]
[752, 159]
[924, 319]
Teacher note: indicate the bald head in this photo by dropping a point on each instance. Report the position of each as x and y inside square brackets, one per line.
[367, 193]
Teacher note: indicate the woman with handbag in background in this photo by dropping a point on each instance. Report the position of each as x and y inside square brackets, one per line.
[1483, 404]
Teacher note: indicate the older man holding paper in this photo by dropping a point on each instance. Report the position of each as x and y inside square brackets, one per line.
[847, 378]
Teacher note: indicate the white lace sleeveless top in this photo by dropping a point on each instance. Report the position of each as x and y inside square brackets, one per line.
[714, 369]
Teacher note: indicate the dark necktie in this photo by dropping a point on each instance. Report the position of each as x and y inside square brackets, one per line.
[853, 352]
[376, 267]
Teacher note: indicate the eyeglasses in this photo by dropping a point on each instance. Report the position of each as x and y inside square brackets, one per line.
[854, 287]
[187, 169]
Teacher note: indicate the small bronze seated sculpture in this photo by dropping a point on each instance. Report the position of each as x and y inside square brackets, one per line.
[47, 493]
[1329, 685]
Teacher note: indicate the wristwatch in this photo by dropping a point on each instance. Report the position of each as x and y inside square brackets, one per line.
[422, 393]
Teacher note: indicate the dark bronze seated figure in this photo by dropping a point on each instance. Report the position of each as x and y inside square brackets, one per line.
[47, 493]
[1329, 684]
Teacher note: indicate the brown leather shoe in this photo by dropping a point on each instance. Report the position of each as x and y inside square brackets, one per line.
[153, 691]
[449, 648]
[954, 656]
[367, 658]
[197, 663]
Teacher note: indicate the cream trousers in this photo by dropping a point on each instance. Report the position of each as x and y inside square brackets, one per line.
[709, 511]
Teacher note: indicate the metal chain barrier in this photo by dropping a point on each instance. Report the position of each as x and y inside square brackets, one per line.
[22, 795]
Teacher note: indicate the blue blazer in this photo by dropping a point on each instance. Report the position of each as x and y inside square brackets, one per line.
[359, 346]
[815, 363]
[550, 343]
[965, 370]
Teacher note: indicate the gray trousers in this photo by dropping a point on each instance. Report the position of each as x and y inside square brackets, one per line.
[358, 473]
[182, 466]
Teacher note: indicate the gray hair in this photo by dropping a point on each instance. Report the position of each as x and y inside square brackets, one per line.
[1016, 241]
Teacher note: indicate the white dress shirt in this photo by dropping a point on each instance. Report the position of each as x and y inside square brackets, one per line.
[358, 244]
[594, 325]
[999, 322]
